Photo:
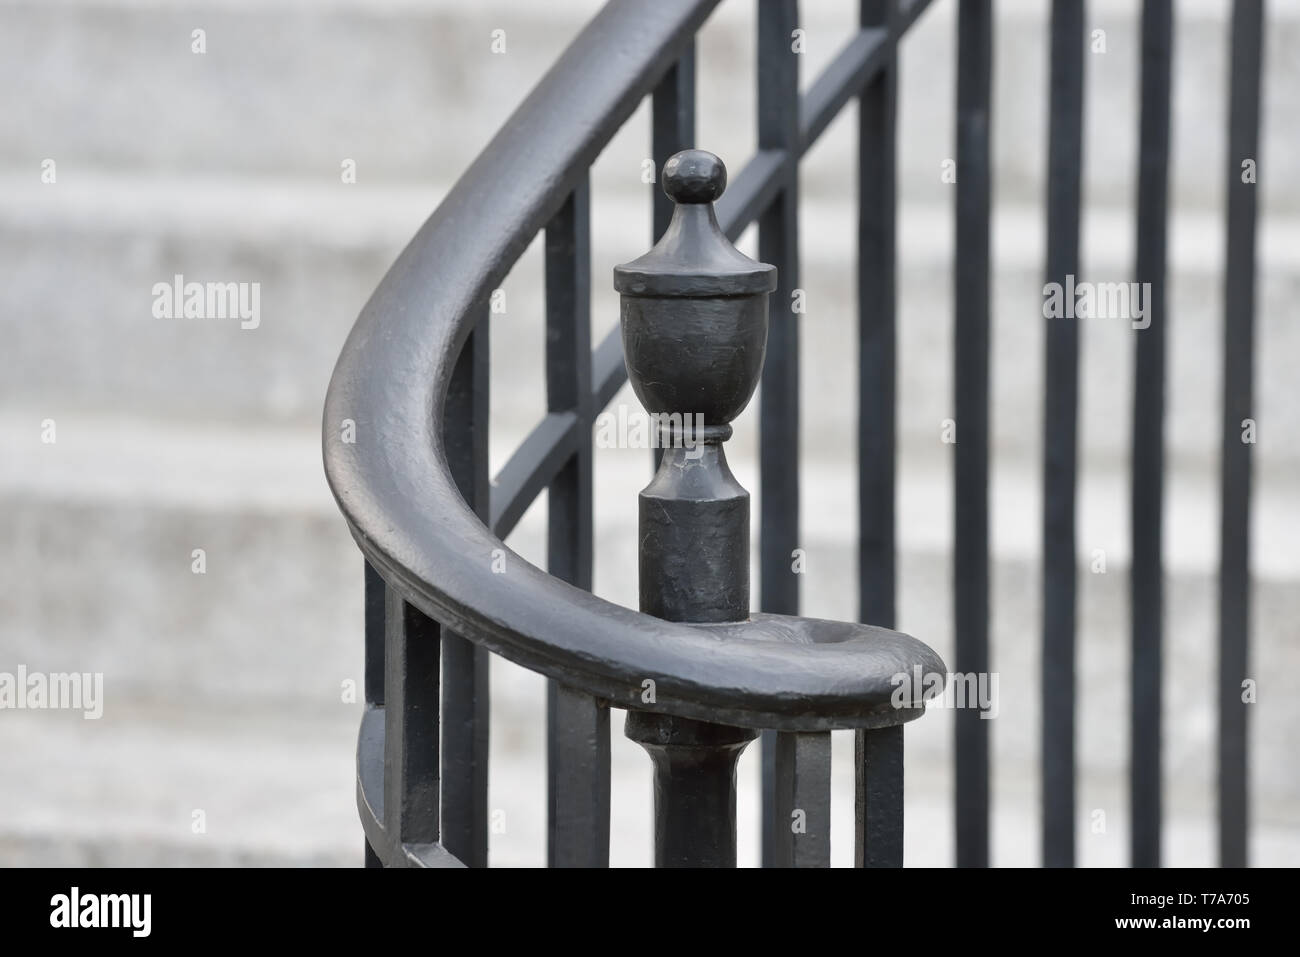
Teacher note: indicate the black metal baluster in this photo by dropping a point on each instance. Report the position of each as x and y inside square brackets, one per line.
[374, 625]
[672, 108]
[577, 734]
[465, 664]
[877, 256]
[672, 129]
[876, 331]
[568, 383]
[411, 780]
[1238, 402]
[803, 799]
[1060, 440]
[374, 659]
[577, 786]
[878, 790]
[1147, 572]
[419, 769]
[778, 243]
[971, 408]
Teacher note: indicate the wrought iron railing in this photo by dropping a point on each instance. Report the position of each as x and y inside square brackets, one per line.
[413, 482]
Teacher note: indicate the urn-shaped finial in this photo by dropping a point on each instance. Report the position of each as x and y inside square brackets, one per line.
[694, 308]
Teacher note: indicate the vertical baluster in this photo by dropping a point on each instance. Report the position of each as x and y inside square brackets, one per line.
[876, 398]
[374, 625]
[1238, 399]
[971, 406]
[672, 107]
[1060, 446]
[568, 384]
[803, 800]
[374, 658]
[1147, 572]
[411, 748]
[778, 243]
[577, 768]
[876, 332]
[672, 122]
[878, 790]
[465, 694]
[577, 727]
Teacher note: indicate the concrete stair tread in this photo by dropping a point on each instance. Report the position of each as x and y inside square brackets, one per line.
[267, 211]
[118, 460]
[276, 789]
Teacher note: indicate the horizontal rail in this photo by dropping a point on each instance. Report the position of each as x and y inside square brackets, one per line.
[751, 193]
[853, 68]
[908, 11]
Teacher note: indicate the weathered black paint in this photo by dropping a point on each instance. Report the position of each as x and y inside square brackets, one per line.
[694, 787]
[694, 522]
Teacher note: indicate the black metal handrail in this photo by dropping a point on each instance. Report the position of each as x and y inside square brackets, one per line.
[395, 486]
[412, 385]
[432, 544]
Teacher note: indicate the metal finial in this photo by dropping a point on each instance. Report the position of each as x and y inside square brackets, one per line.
[694, 176]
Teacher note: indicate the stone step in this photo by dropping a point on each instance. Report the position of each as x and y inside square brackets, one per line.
[317, 253]
[273, 786]
[173, 436]
[155, 785]
[412, 90]
[98, 557]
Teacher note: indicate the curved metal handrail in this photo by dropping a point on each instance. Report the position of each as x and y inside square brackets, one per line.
[394, 486]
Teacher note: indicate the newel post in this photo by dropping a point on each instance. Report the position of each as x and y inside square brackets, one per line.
[694, 322]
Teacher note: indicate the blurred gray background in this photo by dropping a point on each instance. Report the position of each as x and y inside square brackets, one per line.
[224, 692]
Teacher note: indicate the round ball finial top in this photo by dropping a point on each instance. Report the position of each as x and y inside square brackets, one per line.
[694, 176]
[693, 259]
